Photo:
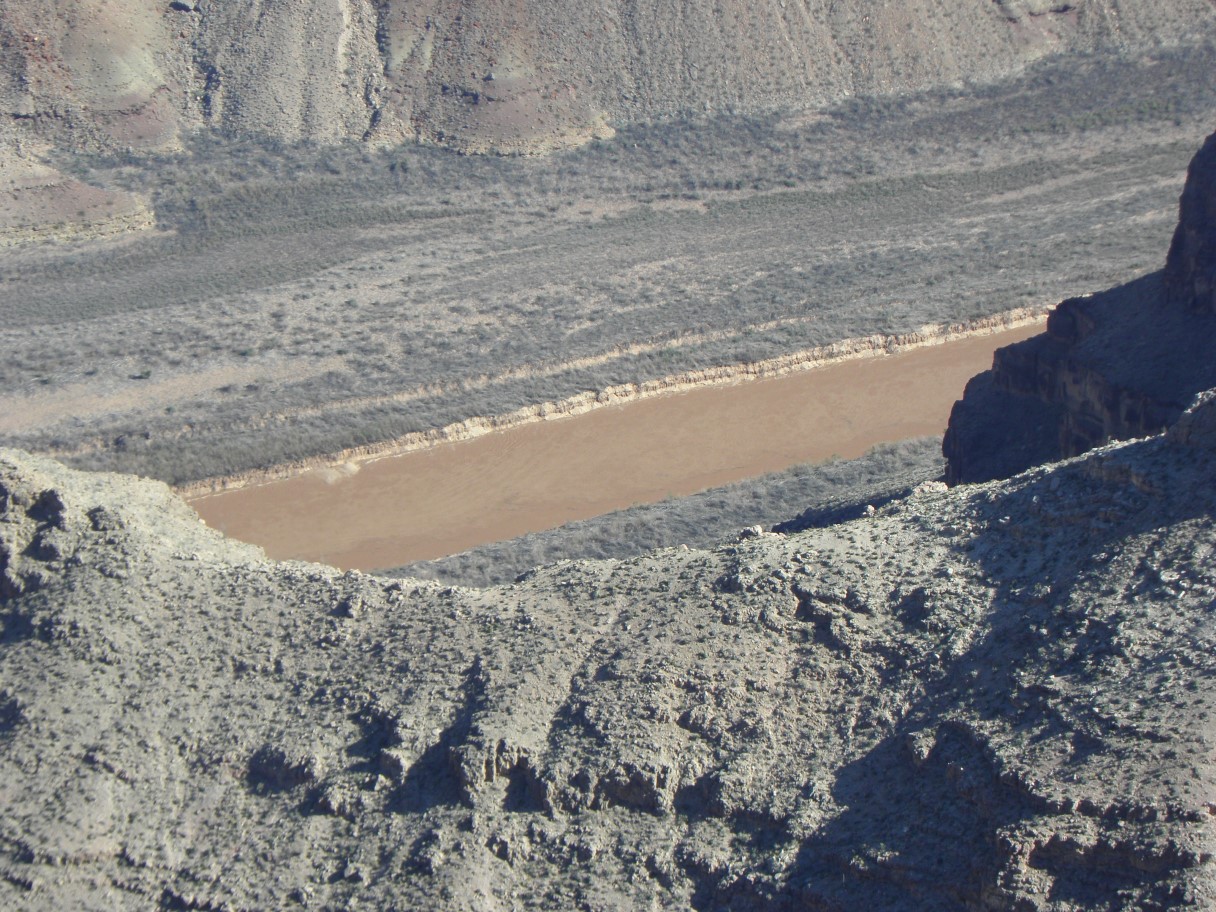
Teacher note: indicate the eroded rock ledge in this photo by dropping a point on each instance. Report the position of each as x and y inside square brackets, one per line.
[992, 697]
[1111, 366]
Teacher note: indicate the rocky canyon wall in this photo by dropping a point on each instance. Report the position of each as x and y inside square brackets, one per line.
[508, 76]
[1116, 365]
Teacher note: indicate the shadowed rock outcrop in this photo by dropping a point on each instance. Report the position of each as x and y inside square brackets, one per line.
[1190, 272]
[1119, 364]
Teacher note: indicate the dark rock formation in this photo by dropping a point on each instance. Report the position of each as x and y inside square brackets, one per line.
[1120, 364]
[1190, 273]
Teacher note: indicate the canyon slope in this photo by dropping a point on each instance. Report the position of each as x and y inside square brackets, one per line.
[509, 76]
[996, 696]
[135, 79]
[1123, 363]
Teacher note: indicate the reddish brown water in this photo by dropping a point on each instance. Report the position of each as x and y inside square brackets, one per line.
[454, 496]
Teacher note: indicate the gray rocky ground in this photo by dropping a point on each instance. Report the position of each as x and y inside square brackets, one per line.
[994, 696]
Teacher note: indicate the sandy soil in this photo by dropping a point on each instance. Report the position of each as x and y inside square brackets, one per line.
[435, 502]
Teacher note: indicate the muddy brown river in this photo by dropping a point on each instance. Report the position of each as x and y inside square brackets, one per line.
[434, 502]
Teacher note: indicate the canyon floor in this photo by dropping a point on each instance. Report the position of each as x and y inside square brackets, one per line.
[292, 302]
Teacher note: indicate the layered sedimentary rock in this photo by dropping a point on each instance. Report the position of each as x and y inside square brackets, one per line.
[38, 202]
[509, 75]
[1110, 366]
[989, 697]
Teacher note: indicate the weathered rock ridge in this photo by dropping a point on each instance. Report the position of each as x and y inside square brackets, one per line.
[1120, 364]
[996, 696]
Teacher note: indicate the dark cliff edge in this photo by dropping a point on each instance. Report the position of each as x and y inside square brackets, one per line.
[1190, 272]
[1116, 365]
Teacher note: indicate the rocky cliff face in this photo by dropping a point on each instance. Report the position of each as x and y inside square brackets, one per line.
[1116, 365]
[992, 697]
[1190, 271]
[486, 74]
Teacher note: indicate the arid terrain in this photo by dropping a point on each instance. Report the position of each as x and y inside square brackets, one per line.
[293, 301]
[483, 74]
[244, 240]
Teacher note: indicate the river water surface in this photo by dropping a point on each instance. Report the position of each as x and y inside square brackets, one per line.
[430, 503]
